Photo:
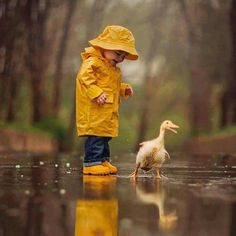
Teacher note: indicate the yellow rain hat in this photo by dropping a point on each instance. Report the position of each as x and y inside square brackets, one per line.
[115, 37]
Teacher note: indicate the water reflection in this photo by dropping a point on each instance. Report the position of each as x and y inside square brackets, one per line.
[45, 199]
[156, 193]
[35, 212]
[97, 210]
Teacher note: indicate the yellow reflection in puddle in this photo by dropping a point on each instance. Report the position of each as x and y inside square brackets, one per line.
[96, 213]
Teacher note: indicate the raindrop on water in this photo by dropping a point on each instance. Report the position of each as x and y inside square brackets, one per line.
[62, 191]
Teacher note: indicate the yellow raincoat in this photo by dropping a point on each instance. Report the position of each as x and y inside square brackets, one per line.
[96, 76]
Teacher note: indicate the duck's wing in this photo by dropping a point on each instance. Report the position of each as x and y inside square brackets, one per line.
[155, 151]
[149, 160]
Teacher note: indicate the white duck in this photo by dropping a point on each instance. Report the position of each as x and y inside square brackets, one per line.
[152, 154]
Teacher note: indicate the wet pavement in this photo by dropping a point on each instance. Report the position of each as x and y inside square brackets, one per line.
[47, 195]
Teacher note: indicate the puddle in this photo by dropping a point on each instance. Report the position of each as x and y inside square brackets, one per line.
[43, 195]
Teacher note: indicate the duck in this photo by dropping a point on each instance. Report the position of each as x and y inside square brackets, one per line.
[152, 154]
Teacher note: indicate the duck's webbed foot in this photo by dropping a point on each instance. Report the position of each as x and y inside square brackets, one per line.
[134, 174]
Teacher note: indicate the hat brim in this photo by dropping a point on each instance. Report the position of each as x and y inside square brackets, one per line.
[132, 53]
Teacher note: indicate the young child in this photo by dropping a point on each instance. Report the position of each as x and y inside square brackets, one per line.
[98, 91]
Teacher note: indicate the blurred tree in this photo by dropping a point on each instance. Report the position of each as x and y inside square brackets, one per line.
[58, 75]
[12, 43]
[202, 64]
[157, 11]
[233, 60]
[36, 17]
[228, 101]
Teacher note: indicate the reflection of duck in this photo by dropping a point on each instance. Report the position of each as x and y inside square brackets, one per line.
[96, 213]
[152, 153]
[151, 193]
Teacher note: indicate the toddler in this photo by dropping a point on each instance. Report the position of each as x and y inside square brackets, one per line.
[98, 92]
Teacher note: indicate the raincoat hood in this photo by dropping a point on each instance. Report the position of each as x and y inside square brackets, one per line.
[90, 51]
[116, 37]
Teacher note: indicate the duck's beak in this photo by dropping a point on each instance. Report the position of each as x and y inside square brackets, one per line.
[172, 128]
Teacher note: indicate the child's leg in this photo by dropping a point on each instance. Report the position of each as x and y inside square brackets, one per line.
[106, 151]
[93, 159]
[106, 154]
[94, 148]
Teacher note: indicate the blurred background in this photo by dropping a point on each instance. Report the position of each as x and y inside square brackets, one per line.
[186, 71]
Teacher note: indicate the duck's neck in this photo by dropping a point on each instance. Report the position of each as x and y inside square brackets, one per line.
[160, 139]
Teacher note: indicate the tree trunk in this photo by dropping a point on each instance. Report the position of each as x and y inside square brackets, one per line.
[60, 57]
[7, 20]
[12, 31]
[200, 92]
[158, 9]
[233, 58]
[228, 100]
[17, 66]
[6, 77]
[200, 85]
[37, 60]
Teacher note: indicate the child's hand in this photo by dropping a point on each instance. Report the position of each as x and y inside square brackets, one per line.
[101, 99]
[129, 91]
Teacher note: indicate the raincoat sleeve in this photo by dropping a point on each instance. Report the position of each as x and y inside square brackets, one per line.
[123, 86]
[88, 78]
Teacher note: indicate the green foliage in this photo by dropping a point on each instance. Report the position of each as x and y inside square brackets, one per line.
[52, 126]
[229, 130]
[24, 127]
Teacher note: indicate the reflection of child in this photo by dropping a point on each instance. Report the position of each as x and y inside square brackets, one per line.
[98, 91]
[96, 217]
[97, 211]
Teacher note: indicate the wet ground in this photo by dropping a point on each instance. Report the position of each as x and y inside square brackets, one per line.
[47, 195]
